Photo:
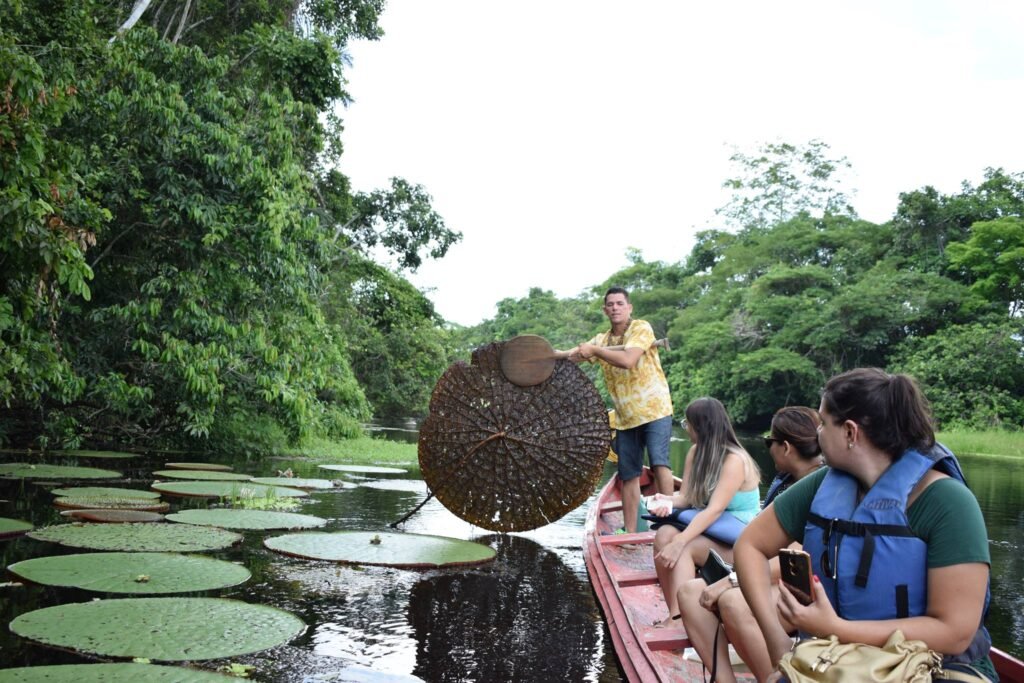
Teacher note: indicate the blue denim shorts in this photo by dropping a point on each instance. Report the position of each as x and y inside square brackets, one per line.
[630, 443]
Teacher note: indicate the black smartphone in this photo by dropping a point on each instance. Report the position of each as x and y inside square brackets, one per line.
[795, 566]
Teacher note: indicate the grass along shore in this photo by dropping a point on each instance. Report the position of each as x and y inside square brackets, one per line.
[991, 442]
[364, 450]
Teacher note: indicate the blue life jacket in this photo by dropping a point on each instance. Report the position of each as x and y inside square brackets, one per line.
[869, 561]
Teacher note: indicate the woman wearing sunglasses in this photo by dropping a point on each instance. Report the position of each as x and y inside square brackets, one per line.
[793, 445]
[896, 539]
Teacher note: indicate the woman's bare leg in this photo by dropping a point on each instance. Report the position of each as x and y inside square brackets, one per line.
[701, 626]
[744, 633]
[662, 537]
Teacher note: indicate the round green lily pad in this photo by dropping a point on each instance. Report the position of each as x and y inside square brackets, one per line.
[163, 629]
[13, 527]
[114, 516]
[248, 519]
[23, 470]
[205, 475]
[157, 538]
[118, 672]
[226, 489]
[209, 466]
[112, 504]
[79, 453]
[101, 491]
[295, 482]
[388, 549]
[139, 573]
[363, 469]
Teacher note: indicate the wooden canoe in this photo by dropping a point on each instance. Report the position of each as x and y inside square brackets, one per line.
[621, 569]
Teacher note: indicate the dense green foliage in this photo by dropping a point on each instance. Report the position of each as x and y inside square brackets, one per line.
[183, 264]
[762, 315]
[175, 243]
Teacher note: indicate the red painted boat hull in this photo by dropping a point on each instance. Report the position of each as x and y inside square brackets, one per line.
[621, 569]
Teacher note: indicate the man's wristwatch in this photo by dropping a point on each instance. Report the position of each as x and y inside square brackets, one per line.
[734, 580]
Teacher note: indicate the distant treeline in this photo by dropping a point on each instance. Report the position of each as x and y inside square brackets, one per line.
[183, 265]
[761, 315]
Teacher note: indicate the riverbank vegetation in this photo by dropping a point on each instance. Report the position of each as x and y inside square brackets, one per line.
[183, 265]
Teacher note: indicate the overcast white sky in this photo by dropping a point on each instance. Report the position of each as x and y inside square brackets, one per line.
[555, 134]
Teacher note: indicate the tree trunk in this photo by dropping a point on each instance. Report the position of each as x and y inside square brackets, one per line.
[137, 11]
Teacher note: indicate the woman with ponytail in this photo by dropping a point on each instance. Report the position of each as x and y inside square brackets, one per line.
[896, 539]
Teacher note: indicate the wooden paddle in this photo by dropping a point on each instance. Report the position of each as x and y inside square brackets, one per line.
[529, 359]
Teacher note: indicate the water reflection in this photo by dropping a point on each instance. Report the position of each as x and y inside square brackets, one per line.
[529, 616]
[525, 617]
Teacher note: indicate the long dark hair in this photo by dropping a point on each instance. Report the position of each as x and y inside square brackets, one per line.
[891, 409]
[715, 438]
[799, 426]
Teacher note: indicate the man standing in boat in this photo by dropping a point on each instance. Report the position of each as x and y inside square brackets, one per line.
[640, 394]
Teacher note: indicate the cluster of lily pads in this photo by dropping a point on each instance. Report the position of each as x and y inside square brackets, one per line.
[142, 552]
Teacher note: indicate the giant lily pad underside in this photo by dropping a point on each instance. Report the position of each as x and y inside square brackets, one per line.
[120, 672]
[113, 516]
[138, 573]
[110, 503]
[248, 519]
[413, 551]
[162, 629]
[159, 538]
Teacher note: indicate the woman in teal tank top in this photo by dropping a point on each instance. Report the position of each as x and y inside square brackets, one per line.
[718, 474]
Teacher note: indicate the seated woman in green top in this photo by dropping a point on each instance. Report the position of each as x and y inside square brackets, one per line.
[896, 539]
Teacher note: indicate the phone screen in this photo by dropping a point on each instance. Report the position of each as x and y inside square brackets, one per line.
[795, 566]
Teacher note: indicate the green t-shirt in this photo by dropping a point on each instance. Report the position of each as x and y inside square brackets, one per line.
[946, 516]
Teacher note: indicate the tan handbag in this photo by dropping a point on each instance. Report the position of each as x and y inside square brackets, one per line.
[820, 660]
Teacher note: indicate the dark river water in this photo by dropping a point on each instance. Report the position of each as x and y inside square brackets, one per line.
[528, 616]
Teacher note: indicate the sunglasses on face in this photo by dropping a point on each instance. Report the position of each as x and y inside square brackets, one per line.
[769, 440]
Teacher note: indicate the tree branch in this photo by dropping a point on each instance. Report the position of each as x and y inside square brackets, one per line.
[137, 11]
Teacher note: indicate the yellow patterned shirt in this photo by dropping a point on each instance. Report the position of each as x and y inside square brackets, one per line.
[640, 395]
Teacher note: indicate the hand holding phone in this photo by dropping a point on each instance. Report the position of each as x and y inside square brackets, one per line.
[795, 566]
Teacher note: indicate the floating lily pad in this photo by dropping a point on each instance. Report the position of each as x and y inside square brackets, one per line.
[114, 516]
[387, 549]
[365, 469]
[119, 672]
[78, 453]
[155, 538]
[101, 491]
[295, 482]
[248, 519]
[226, 489]
[112, 504]
[22, 470]
[209, 466]
[139, 573]
[205, 475]
[409, 485]
[13, 527]
[163, 629]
